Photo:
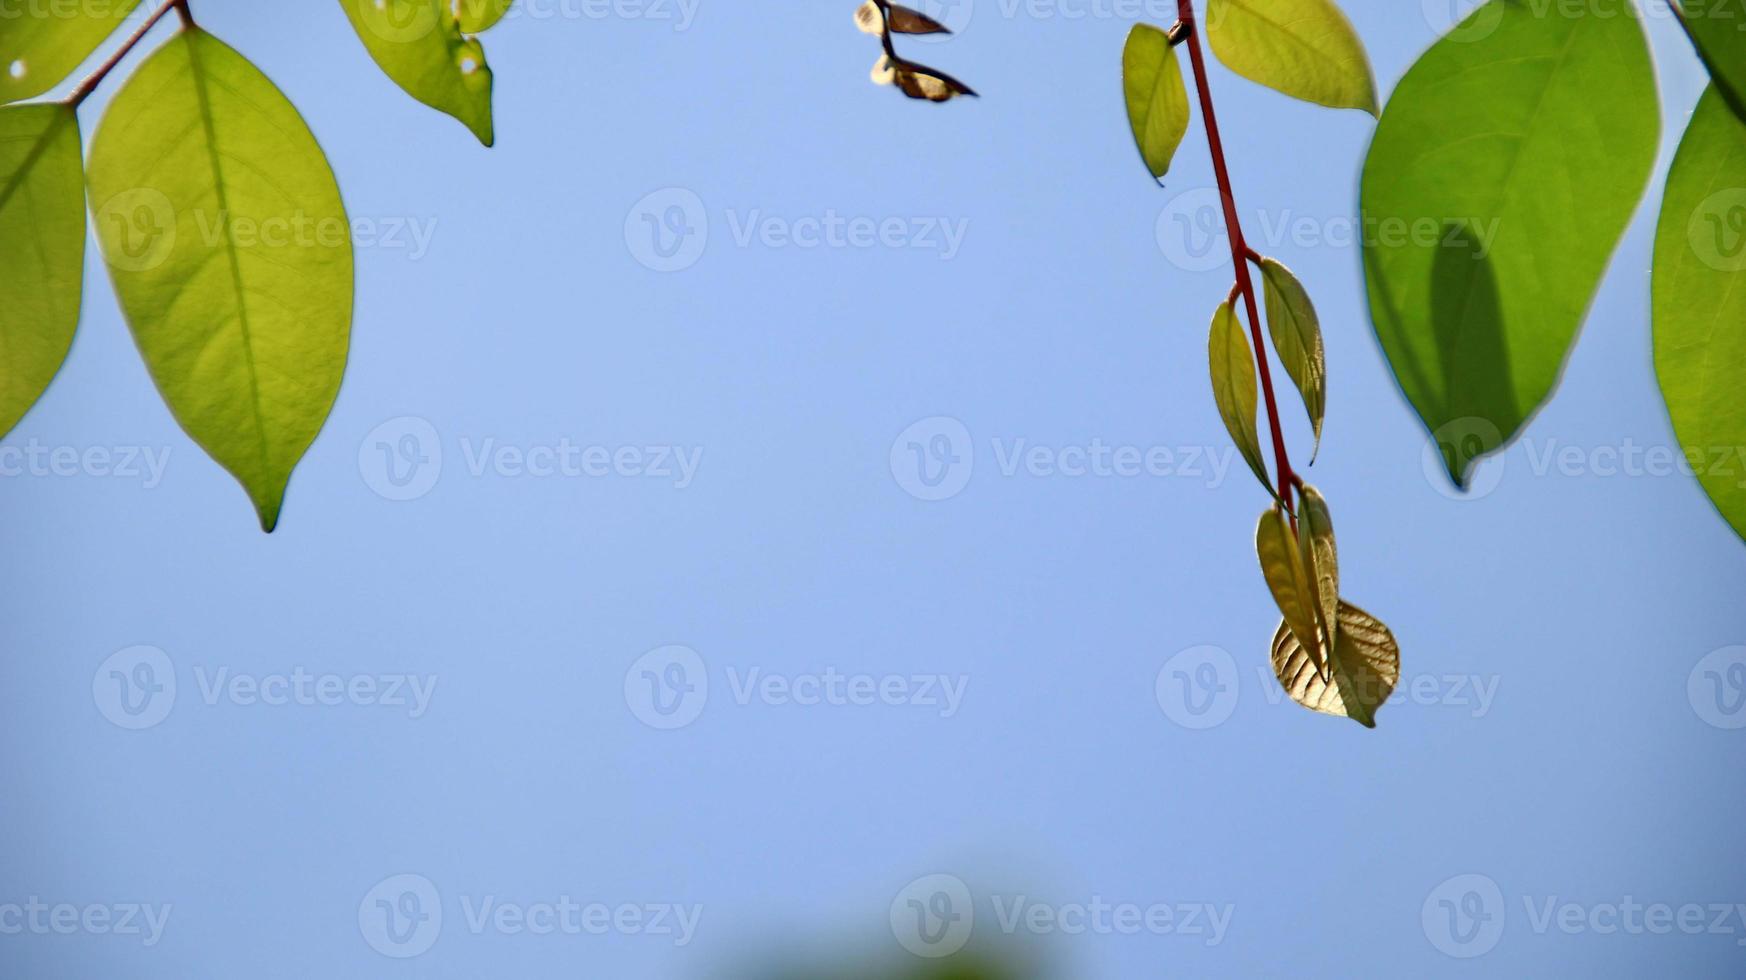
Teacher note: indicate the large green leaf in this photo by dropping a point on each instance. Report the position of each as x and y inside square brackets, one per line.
[1699, 289]
[231, 253]
[42, 249]
[1288, 575]
[420, 45]
[1360, 675]
[1297, 337]
[1156, 99]
[1304, 48]
[1503, 172]
[1233, 384]
[42, 41]
[1718, 29]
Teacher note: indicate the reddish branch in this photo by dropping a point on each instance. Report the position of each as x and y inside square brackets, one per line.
[1240, 250]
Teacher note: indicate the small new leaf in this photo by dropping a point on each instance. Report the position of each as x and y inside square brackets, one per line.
[1315, 539]
[1364, 668]
[903, 20]
[478, 15]
[42, 249]
[1233, 384]
[420, 45]
[1156, 98]
[917, 81]
[1288, 578]
[1306, 49]
[1297, 337]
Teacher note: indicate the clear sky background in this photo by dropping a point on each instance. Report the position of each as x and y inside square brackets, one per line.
[1560, 732]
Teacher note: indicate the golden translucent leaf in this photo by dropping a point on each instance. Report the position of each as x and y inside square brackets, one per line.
[1287, 573]
[1315, 538]
[1364, 669]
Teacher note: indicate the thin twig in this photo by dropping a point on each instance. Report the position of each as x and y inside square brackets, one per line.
[1240, 250]
[91, 82]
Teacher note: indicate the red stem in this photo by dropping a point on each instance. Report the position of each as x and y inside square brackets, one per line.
[1240, 250]
[90, 83]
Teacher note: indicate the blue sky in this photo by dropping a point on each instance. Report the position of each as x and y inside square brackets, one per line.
[620, 591]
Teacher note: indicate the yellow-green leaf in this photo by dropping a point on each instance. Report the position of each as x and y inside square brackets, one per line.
[1503, 172]
[1287, 573]
[42, 250]
[420, 45]
[1297, 337]
[1699, 290]
[478, 15]
[1315, 538]
[1233, 384]
[1364, 669]
[231, 253]
[1715, 28]
[1157, 101]
[1304, 48]
[42, 41]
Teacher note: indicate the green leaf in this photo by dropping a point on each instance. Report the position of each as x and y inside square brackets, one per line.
[1503, 172]
[1233, 383]
[1157, 101]
[231, 253]
[1361, 674]
[42, 41]
[1315, 539]
[479, 15]
[1286, 569]
[419, 44]
[1304, 48]
[1699, 301]
[1716, 30]
[1297, 337]
[42, 249]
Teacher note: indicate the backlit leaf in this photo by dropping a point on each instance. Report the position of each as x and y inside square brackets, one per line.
[231, 253]
[1304, 48]
[1364, 669]
[1503, 172]
[419, 44]
[1287, 572]
[478, 15]
[1233, 384]
[1315, 539]
[1297, 337]
[42, 41]
[1718, 29]
[1156, 98]
[903, 20]
[1699, 289]
[42, 249]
